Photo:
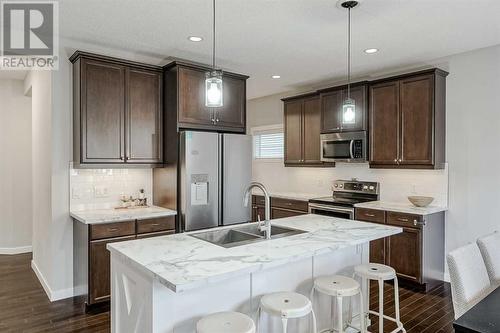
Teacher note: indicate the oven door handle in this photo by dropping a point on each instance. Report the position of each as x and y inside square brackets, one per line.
[351, 149]
[331, 209]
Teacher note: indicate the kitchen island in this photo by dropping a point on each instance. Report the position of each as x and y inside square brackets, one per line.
[166, 284]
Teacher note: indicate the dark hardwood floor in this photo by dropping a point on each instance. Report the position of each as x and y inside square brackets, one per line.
[24, 306]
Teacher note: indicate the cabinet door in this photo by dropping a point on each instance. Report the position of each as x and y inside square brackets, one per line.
[232, 113]
[144, 117]
[404, 254]
[278, 213]
[331, 107]
[417, 114]
[258, 212]
[293, 132]
[99, 269]
[384, 123]
[312, 131]
[102, 112]
[358, 94]
[191, 94]
[377, 251]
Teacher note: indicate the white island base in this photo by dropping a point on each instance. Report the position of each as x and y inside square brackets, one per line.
[142, 304]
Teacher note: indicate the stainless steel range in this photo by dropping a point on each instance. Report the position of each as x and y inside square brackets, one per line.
[346, 193]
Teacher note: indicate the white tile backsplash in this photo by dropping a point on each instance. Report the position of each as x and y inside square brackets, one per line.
[101, 188]
[395, 185]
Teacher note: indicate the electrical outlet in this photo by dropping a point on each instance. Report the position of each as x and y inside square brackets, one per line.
[101, 192]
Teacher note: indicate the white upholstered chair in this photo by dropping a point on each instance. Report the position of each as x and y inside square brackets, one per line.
[470, 282]
[490, 249]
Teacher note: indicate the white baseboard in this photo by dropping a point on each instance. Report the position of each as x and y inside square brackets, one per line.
[16, 250]
[52, 295]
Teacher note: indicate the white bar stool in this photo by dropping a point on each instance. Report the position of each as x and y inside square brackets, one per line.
[226, 322]
[381, 273]
[338, 287]
[286, 305]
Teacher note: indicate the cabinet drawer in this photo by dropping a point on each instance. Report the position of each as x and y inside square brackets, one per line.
[109, 230]
[278, 213]
[258, 200]
[290, 204]
[155, 225]
[405, 220]
[370, 215]
[156, 234]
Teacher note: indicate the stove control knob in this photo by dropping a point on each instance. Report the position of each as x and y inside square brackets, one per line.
[341, 185]
[365, 187]
[336, 185]
[372, 188]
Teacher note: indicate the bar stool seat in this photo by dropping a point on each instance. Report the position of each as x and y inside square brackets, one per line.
[226, 322]
[338, 287]
[375, 271]
[286, 305]
[381, 273]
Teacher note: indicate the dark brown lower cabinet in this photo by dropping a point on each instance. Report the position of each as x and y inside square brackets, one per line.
[404, 254]
[377, 251]
[417, 254]
[100, 270]
[278, 213]
[91, 258]
[280, 207]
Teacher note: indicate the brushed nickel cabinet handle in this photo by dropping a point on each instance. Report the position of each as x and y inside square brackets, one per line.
[402, 219]
[112, 229]
[155, 224]
[369, 215]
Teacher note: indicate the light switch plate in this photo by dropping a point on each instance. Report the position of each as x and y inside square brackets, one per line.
[101, 192]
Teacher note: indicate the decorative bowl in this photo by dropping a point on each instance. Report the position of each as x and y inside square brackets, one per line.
[420, 201]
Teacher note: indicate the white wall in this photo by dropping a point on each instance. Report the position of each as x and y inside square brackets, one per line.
[15, 168]
[472, 177]
[473, 138]
[39, 83]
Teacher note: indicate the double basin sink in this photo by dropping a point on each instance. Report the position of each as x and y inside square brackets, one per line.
[243, 235]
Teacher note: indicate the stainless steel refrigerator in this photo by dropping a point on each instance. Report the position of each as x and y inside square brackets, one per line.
[215, 170]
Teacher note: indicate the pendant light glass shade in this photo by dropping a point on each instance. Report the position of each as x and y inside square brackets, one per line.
[213, 82]
[213, 90]
[349, 111]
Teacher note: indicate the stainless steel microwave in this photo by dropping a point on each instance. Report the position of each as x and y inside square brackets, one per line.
[344, 147]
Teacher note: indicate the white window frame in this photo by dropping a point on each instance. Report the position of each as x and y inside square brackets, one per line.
[261, 130]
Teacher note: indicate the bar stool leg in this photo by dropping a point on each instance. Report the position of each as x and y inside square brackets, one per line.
[284, 321]
[314, 327]
[362, 318]
[257, 322]
[381, 306]
[396, 298]
[339, 314]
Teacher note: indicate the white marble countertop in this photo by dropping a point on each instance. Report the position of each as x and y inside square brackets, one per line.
[182, 262]
[401, 207]
[96, 216]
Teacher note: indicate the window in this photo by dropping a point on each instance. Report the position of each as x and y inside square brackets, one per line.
[268, 143]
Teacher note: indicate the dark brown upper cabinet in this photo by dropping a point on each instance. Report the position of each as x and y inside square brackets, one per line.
[185, 91]
[117, 112]
[407, 121]
[302, 119]
[332, 100]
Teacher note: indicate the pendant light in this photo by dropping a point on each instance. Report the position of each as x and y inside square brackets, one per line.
[349, 105]
[213, 81]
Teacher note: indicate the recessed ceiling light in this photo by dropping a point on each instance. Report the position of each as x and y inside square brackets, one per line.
[276, 77]
[195, 38]
[372, 50]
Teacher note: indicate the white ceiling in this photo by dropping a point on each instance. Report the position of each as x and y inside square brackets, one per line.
[304, 41]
